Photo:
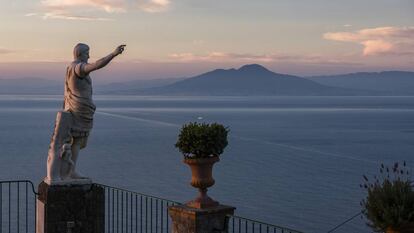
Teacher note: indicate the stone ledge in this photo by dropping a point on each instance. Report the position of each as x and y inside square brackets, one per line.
[220, 209]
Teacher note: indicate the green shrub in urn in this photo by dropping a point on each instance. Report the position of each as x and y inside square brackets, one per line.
[201, 145]
[201, 140]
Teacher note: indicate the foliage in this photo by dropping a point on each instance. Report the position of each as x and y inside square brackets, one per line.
[390, 199]
[201, 140]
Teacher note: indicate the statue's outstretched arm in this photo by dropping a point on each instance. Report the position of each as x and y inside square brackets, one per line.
[89, 67]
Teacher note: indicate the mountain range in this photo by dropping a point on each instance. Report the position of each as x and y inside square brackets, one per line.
[30, 86]
[248, 80]
[388, 82]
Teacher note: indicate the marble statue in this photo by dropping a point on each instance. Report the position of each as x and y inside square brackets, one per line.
[74, 123]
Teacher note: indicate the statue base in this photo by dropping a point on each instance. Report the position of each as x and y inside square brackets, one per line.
[75, 208]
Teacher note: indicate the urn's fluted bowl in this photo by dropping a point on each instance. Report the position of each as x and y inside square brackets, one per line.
[202, 178]
[202, 171]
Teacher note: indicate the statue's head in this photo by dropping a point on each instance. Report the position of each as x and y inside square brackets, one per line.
[81, 52]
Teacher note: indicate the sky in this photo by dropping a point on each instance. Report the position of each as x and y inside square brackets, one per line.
[181, 38]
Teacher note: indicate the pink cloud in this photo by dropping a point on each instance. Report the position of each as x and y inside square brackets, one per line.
[218, 57]
[372, 47]
[381, 40]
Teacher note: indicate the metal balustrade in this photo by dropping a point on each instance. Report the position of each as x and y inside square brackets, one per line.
[244, 225]
[17, 206]
[128, 212]
[125, 212]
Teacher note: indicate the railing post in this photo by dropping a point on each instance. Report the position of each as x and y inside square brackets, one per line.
[187, 219]
[75, 208]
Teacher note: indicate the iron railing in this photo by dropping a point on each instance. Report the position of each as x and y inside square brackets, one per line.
[244, 225]
[17, 206]
[342, 227]
[127, 211]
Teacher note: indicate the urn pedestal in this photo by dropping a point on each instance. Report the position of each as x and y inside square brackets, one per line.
[187, 219]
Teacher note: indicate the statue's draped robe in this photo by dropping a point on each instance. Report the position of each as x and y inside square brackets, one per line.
[78, 100]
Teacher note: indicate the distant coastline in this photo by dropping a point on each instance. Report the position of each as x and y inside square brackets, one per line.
[248, 80]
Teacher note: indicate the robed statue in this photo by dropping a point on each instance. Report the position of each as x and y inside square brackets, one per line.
[75, 121]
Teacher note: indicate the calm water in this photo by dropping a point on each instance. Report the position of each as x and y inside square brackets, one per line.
[292, 161]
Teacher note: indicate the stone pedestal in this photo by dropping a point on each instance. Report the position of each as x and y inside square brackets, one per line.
[186, 219]
[70, 208]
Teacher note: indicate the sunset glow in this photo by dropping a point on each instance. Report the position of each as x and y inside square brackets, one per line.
[186, 36]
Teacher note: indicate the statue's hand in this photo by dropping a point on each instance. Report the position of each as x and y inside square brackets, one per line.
[119, 50]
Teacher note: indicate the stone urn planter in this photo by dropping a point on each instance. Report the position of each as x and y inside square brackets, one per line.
[389, 205]
[202, 178]
[201, 145]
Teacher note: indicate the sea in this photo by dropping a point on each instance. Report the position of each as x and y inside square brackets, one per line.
[296, 162]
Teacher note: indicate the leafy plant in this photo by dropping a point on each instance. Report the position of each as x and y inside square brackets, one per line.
[201, 140]
[390, 200]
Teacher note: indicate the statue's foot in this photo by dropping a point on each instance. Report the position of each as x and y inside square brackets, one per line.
[77, 175]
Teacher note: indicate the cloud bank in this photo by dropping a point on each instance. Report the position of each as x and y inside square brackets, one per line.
[106, 5]
[154, 6]
[6, 51]
[222, 57]
[78, 9]
[380, 40]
